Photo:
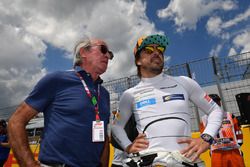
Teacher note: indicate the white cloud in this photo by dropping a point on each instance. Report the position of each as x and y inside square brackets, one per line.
[20, 64]
[216, 27]
[215, 51]
[234, 32]
[242, 41]
[61, 23]
[239, 18]
[26, 28]
[232, 52]
[186, 14]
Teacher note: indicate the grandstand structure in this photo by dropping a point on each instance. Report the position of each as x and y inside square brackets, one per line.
[225, 76]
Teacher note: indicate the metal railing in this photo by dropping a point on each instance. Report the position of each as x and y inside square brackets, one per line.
[226, 76]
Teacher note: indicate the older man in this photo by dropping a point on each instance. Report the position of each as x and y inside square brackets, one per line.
[76, 113]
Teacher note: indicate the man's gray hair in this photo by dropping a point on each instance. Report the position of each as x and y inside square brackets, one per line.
[77, 59]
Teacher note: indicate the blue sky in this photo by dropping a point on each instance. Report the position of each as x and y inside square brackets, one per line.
[38, 36]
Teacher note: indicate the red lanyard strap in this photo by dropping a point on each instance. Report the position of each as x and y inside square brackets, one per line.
[93, 99]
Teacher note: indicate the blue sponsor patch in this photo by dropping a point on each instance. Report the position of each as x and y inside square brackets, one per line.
[173, 97]
[145, 102]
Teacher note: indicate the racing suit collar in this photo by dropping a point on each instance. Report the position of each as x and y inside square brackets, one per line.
[155, 79]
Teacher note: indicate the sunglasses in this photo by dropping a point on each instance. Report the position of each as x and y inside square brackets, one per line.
[151, 49]
[104, 50]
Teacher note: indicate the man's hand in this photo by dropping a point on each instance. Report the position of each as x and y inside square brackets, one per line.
[195, 147]
[140, 143]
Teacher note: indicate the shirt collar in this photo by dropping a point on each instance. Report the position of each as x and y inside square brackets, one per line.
[83, 72]
[155, 79]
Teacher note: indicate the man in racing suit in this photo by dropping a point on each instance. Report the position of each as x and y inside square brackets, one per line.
[225, 149]
[160, 104]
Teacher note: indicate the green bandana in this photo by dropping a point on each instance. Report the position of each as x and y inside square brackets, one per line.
[161, 40]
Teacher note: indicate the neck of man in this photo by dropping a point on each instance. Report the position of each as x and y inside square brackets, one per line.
[91, 71]
[150, 74]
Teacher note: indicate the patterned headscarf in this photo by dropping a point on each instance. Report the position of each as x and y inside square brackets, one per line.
[143, 41]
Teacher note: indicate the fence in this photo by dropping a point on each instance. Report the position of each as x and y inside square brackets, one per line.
[226, 76]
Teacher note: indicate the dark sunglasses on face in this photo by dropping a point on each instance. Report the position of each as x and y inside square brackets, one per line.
[151, 49]
[104, 50]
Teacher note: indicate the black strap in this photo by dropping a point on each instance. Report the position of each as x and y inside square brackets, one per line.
[189, 165]
[161, 119]
[114, 165]
[148, 159]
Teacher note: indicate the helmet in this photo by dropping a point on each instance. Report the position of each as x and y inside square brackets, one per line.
[143, 41]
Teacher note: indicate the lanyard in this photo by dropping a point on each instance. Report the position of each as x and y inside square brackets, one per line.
[93, 98]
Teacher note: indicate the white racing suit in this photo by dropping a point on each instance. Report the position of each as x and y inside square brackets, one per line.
[161, 109]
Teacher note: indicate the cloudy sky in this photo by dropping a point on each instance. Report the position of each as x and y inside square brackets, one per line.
[37, 36]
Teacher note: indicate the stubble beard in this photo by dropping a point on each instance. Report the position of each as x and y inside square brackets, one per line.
[157, 70]
[154, 69]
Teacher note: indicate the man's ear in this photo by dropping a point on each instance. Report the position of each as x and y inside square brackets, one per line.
[138, 62]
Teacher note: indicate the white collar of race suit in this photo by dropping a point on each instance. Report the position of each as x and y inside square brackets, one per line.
[155, 79]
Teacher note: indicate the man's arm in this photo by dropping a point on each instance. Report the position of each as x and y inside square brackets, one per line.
[105, 153]
[17, 135]
[197, 95]
[125, 111]
[200, 98]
